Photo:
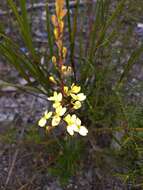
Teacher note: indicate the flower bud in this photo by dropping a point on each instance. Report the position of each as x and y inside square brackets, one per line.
[54, 60]
[51, 78]
[64, 51]
[66, 70]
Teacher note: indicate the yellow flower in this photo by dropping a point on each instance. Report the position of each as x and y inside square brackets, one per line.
[56, 120]
[71, 121]
[77, 105]
[75, 89]
[57, 97]
[60, 111]
[74, 125]
[82, 130]
[56, 105]
[42, 122]
[78, 97]
[47, 114]
[66, 70]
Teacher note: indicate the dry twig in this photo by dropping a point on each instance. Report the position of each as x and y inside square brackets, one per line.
[14, 160]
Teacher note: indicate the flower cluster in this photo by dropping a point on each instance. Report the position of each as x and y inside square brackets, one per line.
[72, 100]
[66, 100]
[74, 125]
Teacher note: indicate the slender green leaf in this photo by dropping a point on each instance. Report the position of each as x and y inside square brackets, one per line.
[50, 34]
[132, 60]
[23, 24]
[109, 22]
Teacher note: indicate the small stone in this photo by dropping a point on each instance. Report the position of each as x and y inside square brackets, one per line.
[22, 81]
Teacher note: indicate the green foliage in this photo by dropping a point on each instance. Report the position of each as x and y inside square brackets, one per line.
[9, 136]
[27, 65]
[32, 136]
[69, 160]
[132, 166]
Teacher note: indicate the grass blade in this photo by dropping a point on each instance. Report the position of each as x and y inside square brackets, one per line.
[132, 60]
[23, 24]
[50, 34]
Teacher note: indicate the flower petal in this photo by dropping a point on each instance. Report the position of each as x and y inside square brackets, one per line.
[78, 121]
[74, 118]
[83, 131]
[60, 111]
[77, 105]
[70, 130]
[42, 122]
[75, 89]
[59, 97]
[48, 114]
[81, 97]
[51, 98]
[75, 97]
[63, 111]
[56, 105]
[76, 128]
[67, 118]
[56, 120]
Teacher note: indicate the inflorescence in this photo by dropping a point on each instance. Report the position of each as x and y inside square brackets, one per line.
[67, 99]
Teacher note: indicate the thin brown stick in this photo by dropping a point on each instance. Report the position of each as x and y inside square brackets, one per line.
[14, 160]
[25, 185]
[17, 150]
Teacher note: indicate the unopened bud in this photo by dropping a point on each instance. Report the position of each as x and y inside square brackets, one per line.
[66, 70]
[56, 34]
[64, 51]
[51, 78]
[54, 60]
